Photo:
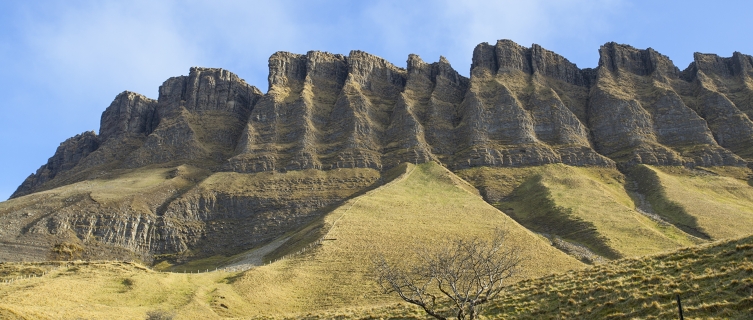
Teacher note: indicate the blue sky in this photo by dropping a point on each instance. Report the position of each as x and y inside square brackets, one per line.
[65, 61]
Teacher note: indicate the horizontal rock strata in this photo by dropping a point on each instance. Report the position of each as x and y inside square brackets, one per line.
[521, 106]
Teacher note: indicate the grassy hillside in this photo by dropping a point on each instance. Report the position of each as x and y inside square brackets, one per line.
[715, 203]
[425, 204]
[36, 220]
[175, 214]
[108, 290]
[714, 281]
[589, 207]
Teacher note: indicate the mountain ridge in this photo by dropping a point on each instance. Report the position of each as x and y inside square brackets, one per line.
[215, 166]
[383, 114]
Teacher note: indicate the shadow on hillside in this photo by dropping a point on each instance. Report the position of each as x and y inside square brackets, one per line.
[649, 184]
[315, 229]
[531, 205]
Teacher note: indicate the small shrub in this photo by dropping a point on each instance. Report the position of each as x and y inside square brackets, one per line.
[67, 250]
[159, 315]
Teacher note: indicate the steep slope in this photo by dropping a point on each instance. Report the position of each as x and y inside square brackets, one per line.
[426, 204]
[514, 113]
[642, 85]
[712, 204]
[714, 281]
[722, 93]
[579, 208]
[521, 107]
[170, 213]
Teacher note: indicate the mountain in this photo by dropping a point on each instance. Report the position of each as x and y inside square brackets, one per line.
[215, 167]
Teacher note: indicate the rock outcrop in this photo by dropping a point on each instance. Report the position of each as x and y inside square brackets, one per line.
[328, 112]
[201, 118]
[637, 115]
[67, 156]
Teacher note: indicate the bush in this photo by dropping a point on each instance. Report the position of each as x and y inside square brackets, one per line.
[159, 315]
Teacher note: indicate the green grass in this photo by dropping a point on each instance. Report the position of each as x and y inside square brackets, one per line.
[716, 202]
[584, 206]
[425, 204]
[419, 206]
[113, 290]
[715, 281]
[142, 188]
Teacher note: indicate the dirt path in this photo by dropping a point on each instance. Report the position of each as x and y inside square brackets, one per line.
[254, 257]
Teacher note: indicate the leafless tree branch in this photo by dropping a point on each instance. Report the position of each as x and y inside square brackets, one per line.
[454, 280]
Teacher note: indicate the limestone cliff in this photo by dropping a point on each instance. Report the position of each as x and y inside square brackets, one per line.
[67, 156]
[638, 115]
[323, 113]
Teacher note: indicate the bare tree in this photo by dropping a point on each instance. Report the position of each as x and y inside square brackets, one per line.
[454, 280]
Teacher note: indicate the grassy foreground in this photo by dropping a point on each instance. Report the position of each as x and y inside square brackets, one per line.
[714, 281]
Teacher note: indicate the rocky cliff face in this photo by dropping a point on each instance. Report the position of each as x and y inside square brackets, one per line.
[327, 112]
[201, 118]
[638, 115]
[67, 156]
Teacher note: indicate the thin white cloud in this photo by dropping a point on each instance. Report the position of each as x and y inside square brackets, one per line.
[136, 46]
[561, 22]
[454, 28]
[241, 34]
[107, 45]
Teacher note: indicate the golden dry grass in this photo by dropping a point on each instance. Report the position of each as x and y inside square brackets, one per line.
[142, 189]
[424, 206]
[111, 290]
[714, 281]
[419, 207]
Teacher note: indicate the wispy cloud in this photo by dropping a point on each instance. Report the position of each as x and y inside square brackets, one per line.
[92, 48]
[454, 28]
[566, 24]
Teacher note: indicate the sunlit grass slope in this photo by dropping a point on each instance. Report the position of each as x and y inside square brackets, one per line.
[714, 281]
[121, 193]
[581, 205]
[141, 188]
[89, 290]
[715, 203]
[423, 206]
